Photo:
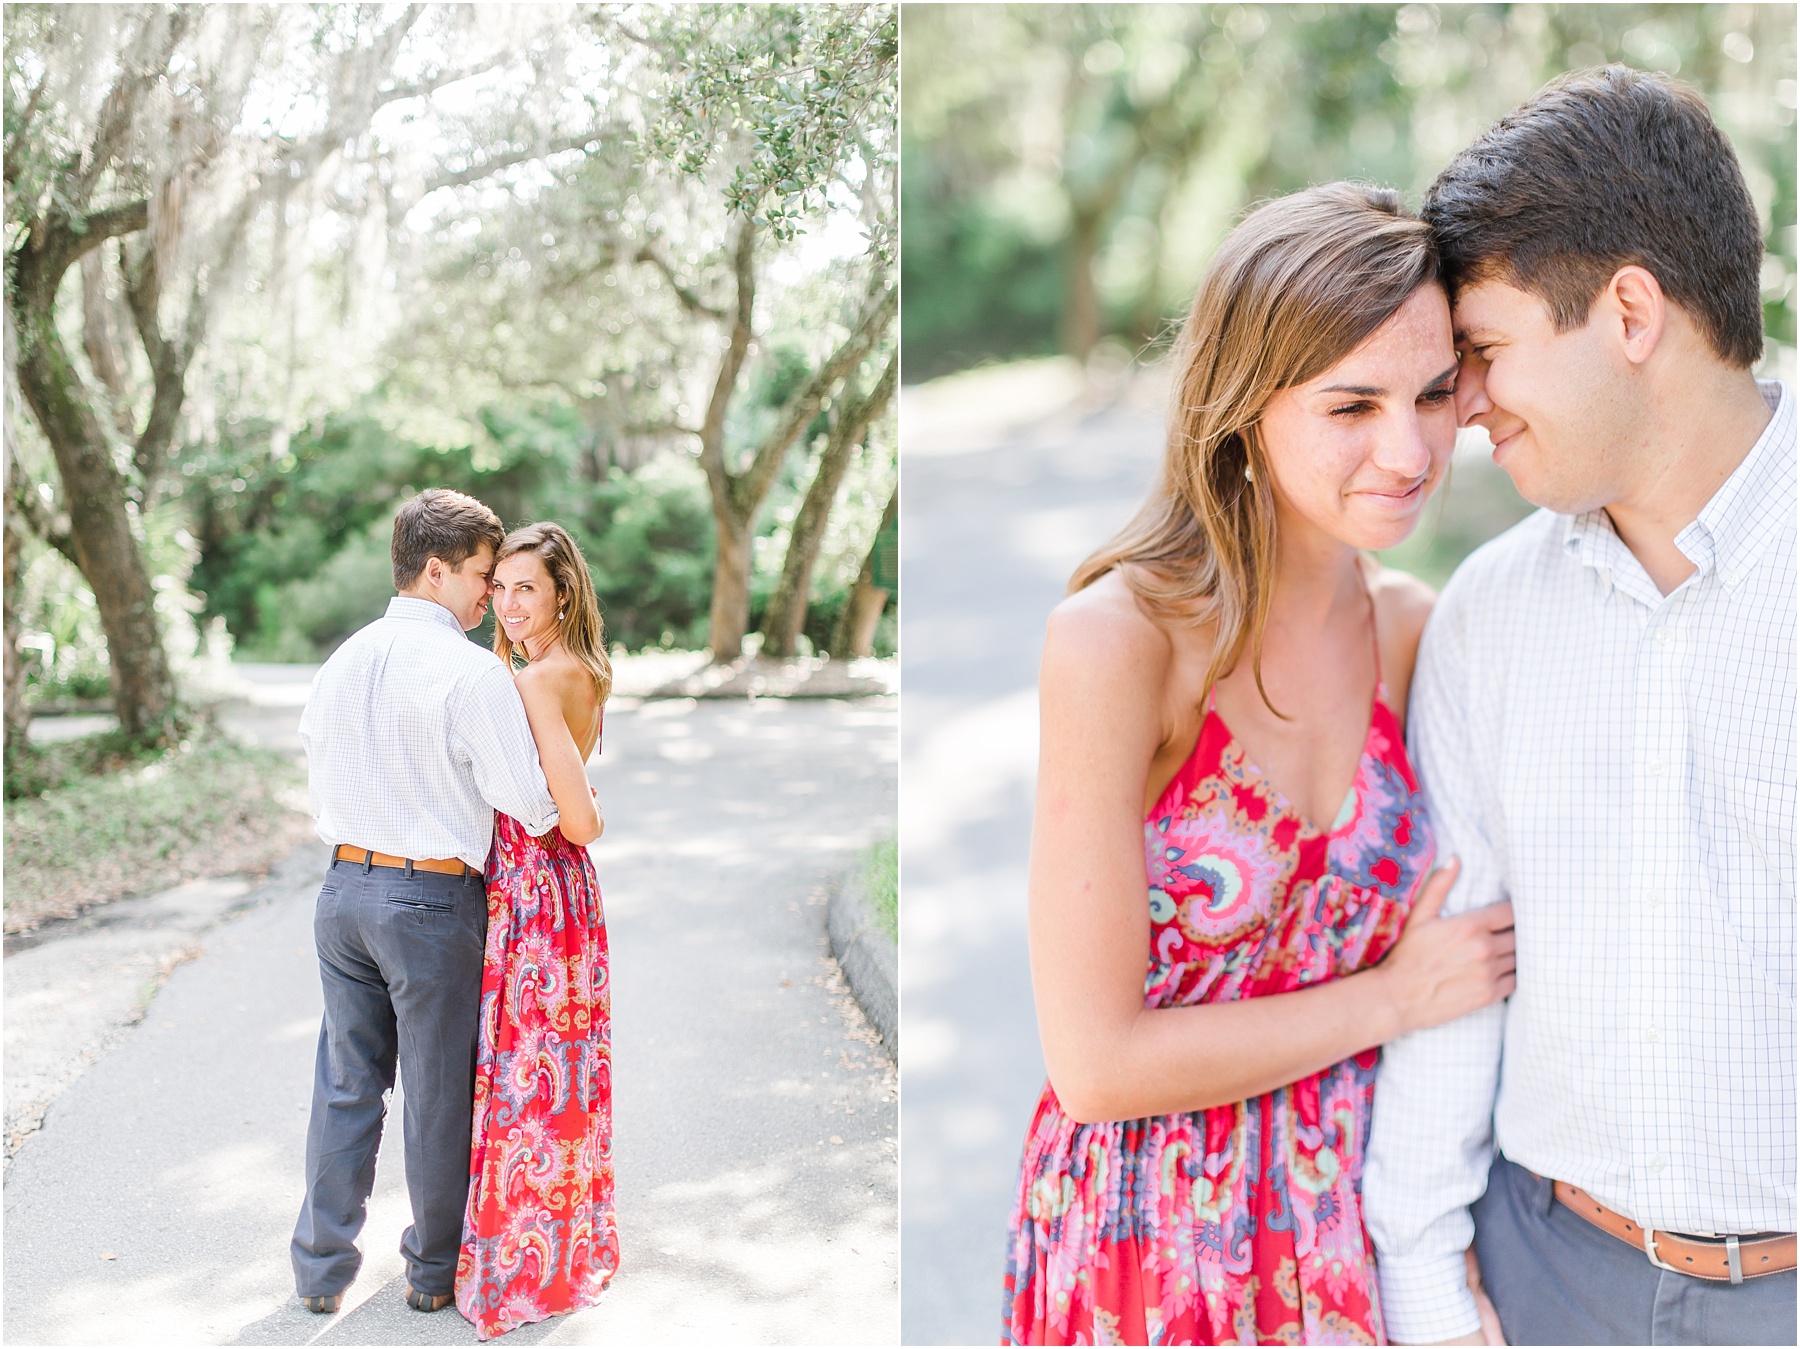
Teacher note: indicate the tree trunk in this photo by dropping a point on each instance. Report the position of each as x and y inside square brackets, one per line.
[787, 607]
[17, 718]
[854, 635]
[1081, 301]
[730, 616]
[735, 496]
[100, 526]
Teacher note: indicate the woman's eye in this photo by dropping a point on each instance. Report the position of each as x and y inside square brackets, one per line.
[1352, 409]
[1438, 397]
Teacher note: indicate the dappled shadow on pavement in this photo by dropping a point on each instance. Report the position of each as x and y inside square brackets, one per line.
[754, 1114]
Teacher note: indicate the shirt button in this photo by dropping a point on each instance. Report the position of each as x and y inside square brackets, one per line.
[1653, 900]
[1657, 1163]
[1652, 1034]
[1655, 768]
[1664, 637]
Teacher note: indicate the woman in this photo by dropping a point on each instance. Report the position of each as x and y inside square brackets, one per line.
[538, 1238]
[1222, 701]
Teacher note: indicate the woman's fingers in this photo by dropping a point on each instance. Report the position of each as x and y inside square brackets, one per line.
[1435, 891]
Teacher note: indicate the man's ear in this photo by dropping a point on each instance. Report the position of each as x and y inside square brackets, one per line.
[434, 571]
[1634, 303]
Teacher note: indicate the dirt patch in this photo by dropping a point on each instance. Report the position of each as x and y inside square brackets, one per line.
[220, 809]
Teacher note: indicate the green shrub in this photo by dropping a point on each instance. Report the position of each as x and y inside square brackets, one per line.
[881, 877]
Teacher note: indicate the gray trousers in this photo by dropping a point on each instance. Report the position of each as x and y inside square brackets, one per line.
[400, 959]
[1555, 1278]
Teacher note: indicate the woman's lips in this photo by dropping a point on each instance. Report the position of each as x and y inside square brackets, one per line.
[1400, 499]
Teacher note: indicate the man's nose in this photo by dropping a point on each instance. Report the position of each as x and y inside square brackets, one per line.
[1471, 390]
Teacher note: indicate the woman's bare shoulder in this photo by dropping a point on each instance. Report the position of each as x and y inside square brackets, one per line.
[1103, 646]
[1402, 601]
[1107, 617]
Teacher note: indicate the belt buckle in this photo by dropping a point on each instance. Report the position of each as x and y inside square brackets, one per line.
[1655, 1259]
[1733, 1260]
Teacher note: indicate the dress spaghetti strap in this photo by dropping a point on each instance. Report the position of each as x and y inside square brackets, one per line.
[1374, 633]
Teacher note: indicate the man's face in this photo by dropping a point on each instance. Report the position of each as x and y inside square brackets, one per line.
[465, 588]
[1553, 404]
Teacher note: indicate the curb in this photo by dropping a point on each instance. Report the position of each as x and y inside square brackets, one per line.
[869, 958]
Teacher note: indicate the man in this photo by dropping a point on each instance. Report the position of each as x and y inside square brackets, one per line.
[414, 737]
[1603, 717]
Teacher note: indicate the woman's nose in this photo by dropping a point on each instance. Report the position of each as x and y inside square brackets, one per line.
[1404, 451]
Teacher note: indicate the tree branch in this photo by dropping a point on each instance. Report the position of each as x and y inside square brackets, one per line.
[119, 110]
[712, 430]
[750, 486]
[14, 167]
[422, 88]
[690, 300]
[488, 167]
[49, 524]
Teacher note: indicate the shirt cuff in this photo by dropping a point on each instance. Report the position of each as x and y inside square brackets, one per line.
[1425, 1299]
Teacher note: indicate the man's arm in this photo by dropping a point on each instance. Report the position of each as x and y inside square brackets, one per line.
[1432, 1136]
[489, 726]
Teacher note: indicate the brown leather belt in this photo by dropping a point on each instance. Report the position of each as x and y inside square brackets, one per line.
[448, 866]
[1726, 1259]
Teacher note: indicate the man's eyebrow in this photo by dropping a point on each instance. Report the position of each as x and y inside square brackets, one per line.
[1462, 335]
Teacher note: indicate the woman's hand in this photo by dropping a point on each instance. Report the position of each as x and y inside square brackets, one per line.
[1443, 968]
[1490, 1319]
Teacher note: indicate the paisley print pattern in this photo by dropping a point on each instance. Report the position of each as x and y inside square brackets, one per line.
[1241, 1224]
[538, 1237]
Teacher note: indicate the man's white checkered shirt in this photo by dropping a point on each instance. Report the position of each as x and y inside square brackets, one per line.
[415, 736]
[1620, 765]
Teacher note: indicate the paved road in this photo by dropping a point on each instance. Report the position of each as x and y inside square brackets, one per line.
[1002, 501]
[754, 1143]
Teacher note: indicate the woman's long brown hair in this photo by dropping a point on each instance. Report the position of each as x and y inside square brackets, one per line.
[1291, 292]
[581, 630]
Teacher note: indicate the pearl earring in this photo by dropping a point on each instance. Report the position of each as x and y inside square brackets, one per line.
[1248, 476]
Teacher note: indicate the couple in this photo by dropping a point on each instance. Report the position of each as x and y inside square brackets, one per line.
[1594, 745]
[459, 927]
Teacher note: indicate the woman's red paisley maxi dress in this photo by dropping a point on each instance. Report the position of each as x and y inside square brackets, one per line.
[538, 1237]
[1240, 1224]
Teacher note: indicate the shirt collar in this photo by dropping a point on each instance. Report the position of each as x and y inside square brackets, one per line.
[429, 611]
[1747, 512]
[1732, 529]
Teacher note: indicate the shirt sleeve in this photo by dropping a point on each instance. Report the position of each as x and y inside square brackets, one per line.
[1431, 1140]
[489, 728]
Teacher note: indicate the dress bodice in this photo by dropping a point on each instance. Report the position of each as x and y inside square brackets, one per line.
[1247, 898]
[1240, 1223]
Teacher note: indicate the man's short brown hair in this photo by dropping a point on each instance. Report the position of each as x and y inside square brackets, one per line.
[442, 524]
[1602, 169]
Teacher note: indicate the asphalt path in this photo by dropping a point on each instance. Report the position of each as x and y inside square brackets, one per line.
[754, 1109]
[1011, 478]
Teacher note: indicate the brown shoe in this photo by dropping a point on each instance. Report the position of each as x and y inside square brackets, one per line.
[427, 1302]
[325, 1304]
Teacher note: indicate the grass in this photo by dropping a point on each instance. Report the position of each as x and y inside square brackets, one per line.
[111, 821]
[881, 874]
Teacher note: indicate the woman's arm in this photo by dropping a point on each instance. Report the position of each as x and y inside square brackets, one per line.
[561, 760]
[1101, 691]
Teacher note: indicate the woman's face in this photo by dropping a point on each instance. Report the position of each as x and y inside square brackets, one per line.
[525, 599]
[1356, 451]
